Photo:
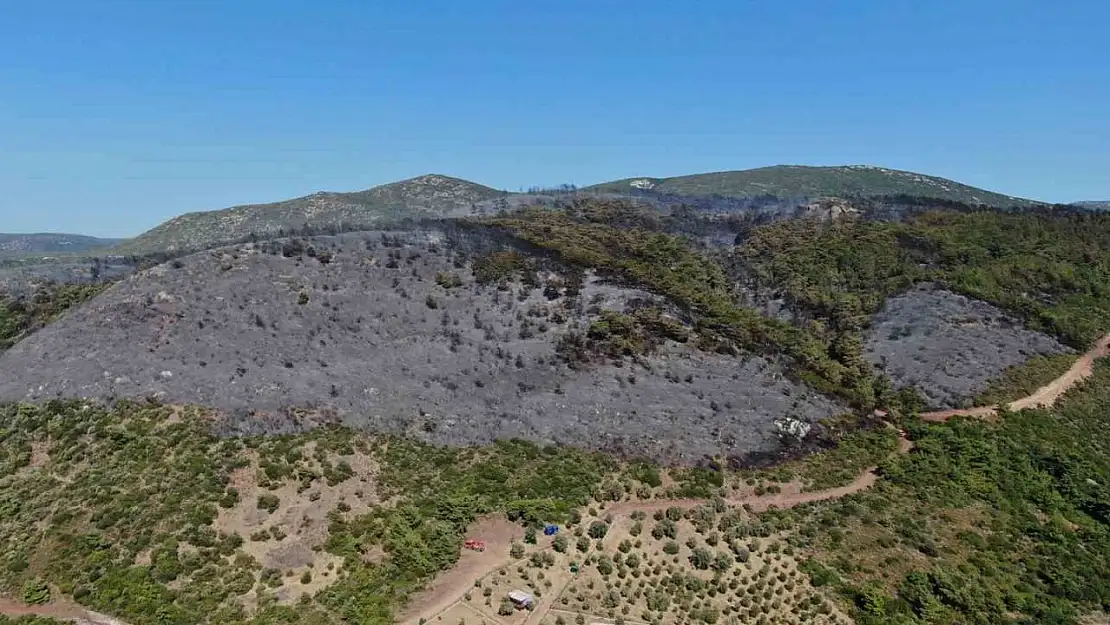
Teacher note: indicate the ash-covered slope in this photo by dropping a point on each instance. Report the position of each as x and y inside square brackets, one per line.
[393, 333]
[949, 346]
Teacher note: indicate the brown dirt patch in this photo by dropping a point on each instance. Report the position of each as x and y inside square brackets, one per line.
[448, 587]
[290, 538]
[60, 610]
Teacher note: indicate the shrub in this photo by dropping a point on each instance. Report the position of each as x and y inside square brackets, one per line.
[516, 551]
[36, 592]
[268, 502]
[598, 529]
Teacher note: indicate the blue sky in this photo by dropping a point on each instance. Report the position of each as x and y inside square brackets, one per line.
[118, 114]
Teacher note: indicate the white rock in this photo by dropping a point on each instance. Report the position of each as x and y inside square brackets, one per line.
[793, 427]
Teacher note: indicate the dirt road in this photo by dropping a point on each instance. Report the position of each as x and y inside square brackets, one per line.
[1047, 395]
[60, 610]
[449, 587]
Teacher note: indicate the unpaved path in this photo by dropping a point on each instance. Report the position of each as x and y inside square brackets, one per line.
[1047, 395]
[59, 610]
[449, 587]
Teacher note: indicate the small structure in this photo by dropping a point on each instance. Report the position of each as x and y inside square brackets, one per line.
[550, 530]
[474, 545]
[521, 599]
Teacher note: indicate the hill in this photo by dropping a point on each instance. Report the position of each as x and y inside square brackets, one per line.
[795, 181]
[603, 326]
[1098, 206]
[435, 196]
[50, 243]
[425, 196]
[409, 333]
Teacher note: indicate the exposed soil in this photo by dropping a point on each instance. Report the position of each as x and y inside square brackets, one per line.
[290, 537]
[445, 590]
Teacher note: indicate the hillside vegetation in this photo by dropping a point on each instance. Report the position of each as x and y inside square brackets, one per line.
[120, 509]
[982, 523]
[597, 325]
[795, 181]
[21, 315]
[422, 197]
[434, 195]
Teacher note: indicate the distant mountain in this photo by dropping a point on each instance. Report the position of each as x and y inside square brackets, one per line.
[435, 196]
[803, 181]
[1095, 206]
[50, 243]
[432, 195]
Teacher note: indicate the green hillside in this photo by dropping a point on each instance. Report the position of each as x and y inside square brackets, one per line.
[804, 181]
[425, 196]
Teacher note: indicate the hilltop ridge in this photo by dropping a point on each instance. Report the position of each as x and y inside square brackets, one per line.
[804, 181]
[437, 195]
[430, 195]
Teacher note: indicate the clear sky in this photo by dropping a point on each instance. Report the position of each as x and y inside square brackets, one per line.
[118, 114]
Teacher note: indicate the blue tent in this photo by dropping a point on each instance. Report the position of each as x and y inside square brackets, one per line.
[550, 530]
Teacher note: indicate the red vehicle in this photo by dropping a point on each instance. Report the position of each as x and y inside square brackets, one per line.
[474, 545]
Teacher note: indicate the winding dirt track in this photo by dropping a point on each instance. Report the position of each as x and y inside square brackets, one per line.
[1047, 395]
[60, 610]
[429, 606]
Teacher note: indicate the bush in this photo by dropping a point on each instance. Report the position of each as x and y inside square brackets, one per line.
[598, 529]
[268, 502]
[36, 592]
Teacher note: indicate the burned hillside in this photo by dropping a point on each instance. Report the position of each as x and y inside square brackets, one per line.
[450, 339]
